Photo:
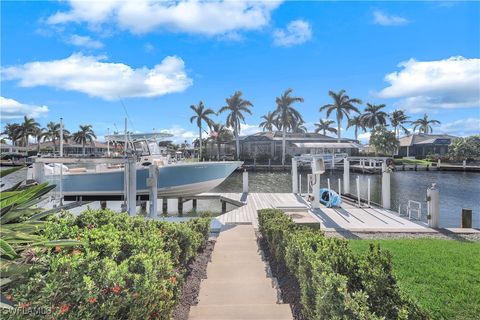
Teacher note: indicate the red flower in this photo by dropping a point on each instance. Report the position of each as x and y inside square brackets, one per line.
[92, 300]
[57, 249]
[116, 289]
[64, 308]
[24, 305]
[173, 279]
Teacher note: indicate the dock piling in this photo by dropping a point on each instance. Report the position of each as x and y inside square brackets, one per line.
[152, 184]
[346, 176]
[433, 206]
[245, 181]
[164, 206]
[131, 171]
[294, 176]
[385, 186]
[180, 206]
[466, 218]
[358, 192]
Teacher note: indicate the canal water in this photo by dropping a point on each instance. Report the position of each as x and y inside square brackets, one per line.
[457, 189]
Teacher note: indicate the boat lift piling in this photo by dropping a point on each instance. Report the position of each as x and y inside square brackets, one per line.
[152, 184]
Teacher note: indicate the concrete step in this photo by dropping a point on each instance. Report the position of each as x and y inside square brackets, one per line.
[232, 293]
[241, 312]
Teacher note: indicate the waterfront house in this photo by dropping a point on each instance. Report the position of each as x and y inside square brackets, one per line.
[10, 150]
[73, 149]
[422, 144]
[268, 145]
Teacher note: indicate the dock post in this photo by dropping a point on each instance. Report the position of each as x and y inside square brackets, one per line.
[339, 186]
[385, 186]
[103, 204]
[269, 164]
[180, 206]
[433, 206]
[224, 206]
[152, 184]
[439, 162]
[464, 164]
[254, 164]
[164, 206]
[39, 172]
[316, 191]
[358, 192]
[466, 218]
[194, 205]
[368, 192]
[328, 183]
[346, 176]
[300, 184]
[245, 181]
[294, 176]
[131, 170]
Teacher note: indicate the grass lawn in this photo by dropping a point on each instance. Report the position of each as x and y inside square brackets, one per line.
[414, 161]
[442, 275]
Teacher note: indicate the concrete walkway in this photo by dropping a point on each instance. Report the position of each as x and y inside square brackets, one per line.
[238, 285]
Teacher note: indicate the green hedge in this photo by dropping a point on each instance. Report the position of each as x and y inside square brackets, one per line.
[334, 282]
[127, 268]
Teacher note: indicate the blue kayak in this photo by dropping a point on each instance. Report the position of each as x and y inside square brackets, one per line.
[330, 198]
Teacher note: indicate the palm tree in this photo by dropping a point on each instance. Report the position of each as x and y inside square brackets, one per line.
[201, 115]
[52, 133]
[220, 133]
[236, 106]
[374, 116]
[84, 135]
[324, 125]
[342, 105]
[286, 115]
[38, 137]
[358, 123]
[424, 124]
[11, 131]
[397, 119]
[27, 129]
[298, 126]
[269, 122]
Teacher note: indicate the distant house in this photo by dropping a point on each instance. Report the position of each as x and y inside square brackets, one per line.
[74, 149]
[424, 144]
[8, 149]
[269, 145]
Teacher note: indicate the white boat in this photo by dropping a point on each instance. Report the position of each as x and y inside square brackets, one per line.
[91, 177]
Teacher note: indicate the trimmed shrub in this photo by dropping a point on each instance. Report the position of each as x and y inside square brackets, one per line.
[127, 267]
[334, 282]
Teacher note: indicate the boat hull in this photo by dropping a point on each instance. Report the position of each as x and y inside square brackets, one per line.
[173, 180]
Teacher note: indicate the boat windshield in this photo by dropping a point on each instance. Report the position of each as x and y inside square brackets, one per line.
[141, 148]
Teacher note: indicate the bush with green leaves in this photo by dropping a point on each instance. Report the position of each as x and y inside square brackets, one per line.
[127, 267]
[334, 282]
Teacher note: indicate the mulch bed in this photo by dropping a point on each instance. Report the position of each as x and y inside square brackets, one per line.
[289, 289]
[197, 270]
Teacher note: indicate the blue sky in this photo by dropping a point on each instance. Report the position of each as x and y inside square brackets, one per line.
[80, 60]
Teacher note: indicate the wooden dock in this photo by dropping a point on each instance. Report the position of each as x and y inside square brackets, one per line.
[349, 217]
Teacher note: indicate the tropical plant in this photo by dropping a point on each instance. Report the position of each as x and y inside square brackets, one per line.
[11, 131]
[52, 133]
[398, 118]
[287, 115]
[219, 134]
[38, 137]
[26, 129]
[374, 116]
[424, 124]
[236, 106]
[465, 148]
[324, 126]
[84, 135]
[298, 126]
[201, 115]
[357, 123]
[269, 123]
[383, 140]
[342, 105]
[20, 225]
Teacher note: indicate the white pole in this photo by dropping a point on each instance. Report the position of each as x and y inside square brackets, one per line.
[433, 205]
[39, 172]
[132, 186]
[316, 191]
[300, 184]
[245, 181]
[61, 164]
[152, 183]
[108, 143]
[339, 186]
[125, 173]
[125, 141]
[346, 176]
[294, 176]
[368, 191]
[464, 164]
[438, 163]
[358, 191]
[328, 183]
[385, 186]
[309, 181]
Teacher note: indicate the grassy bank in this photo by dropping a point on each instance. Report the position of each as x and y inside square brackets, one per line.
[442, 275]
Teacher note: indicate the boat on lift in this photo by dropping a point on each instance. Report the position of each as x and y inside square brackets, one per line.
[105, 177]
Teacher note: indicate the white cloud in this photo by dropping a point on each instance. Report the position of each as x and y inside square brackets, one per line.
[143, 16]
[248, 129]
[296, 32]
[107, 80]
[364, 136]
[462, 127]
[12, 109]
[384, 19]
[180, 134]
[84, 41]
[424, 85]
